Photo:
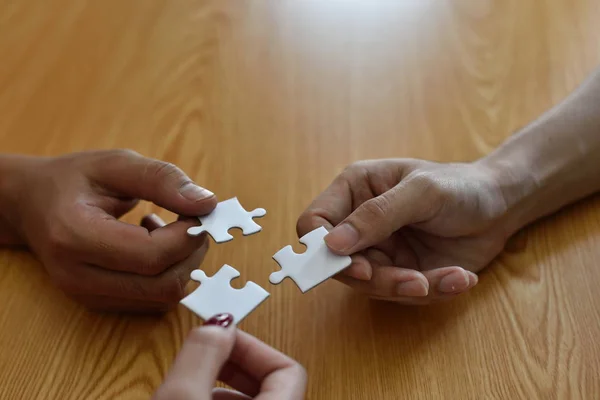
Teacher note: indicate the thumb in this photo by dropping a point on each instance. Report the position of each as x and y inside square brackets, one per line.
[200, 360]
[130, 174]
[375, 220]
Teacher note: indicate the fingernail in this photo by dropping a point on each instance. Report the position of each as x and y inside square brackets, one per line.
[415, 287]
[359, 271]
[157, 220]
[194, 192]
[343, 237]
[454, 282]
[152, 222]
[472, 277]
[222, 320]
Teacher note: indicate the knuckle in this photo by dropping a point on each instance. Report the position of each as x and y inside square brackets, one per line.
[130, 288]
[358, 165]
[376, 209]
[431, 189]
[126, 153]
[172, 288]
[427, 184]
[358, 170]
[165, 174]
[59, 240]
[352, 169]
[107, 156]
[165, 170]
[151, 266]
[154, 261]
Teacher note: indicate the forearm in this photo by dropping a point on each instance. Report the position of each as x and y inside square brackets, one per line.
[552, 162]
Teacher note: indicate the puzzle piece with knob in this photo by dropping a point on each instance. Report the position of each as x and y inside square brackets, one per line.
[228, 214]
[215, 295]
[312, 267]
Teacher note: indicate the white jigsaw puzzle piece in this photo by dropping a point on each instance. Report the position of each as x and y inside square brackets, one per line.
[312, 267]
[228, 214]
[215, 295]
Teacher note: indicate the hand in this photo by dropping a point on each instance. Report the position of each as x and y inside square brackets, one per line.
[218, 351]
[411, 227]
[66, 210]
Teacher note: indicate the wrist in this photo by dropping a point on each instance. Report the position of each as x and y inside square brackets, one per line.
[519, 189]
[537, 178]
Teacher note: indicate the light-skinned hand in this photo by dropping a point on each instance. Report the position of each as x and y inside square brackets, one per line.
[218, 351]
[416, 230]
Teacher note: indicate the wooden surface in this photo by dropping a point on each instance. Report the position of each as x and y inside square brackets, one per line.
[269, 101]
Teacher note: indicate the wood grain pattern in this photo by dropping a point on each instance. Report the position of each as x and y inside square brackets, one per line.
[269, 101]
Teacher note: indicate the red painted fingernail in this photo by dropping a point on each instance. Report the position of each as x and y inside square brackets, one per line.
[222, 320]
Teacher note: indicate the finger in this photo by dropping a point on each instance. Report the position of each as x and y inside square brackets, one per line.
[281, 376]
[377, 257]
[450, 280]
[455, 279]
[392, 252]
[129, 174]
[237, 378]
[167, 288]
[226, 394]
[119, 246]
[117, 207]
[199, 361]
[328, 209]
[390, 282]
[359, 269]
[376, 219]
[152, 222]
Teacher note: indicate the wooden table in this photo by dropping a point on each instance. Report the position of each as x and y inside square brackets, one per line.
[268, 101]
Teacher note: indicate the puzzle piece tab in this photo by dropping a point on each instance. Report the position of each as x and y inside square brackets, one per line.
[311, 268]
[215, 295]
[228, 214]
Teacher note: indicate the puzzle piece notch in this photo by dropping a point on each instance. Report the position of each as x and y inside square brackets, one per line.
[286, 256]
[215, 295]
[312, 267]
[228, 214]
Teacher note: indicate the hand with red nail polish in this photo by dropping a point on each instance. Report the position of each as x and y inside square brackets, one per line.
[67, 209]
[219, 352]
[416, 230]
